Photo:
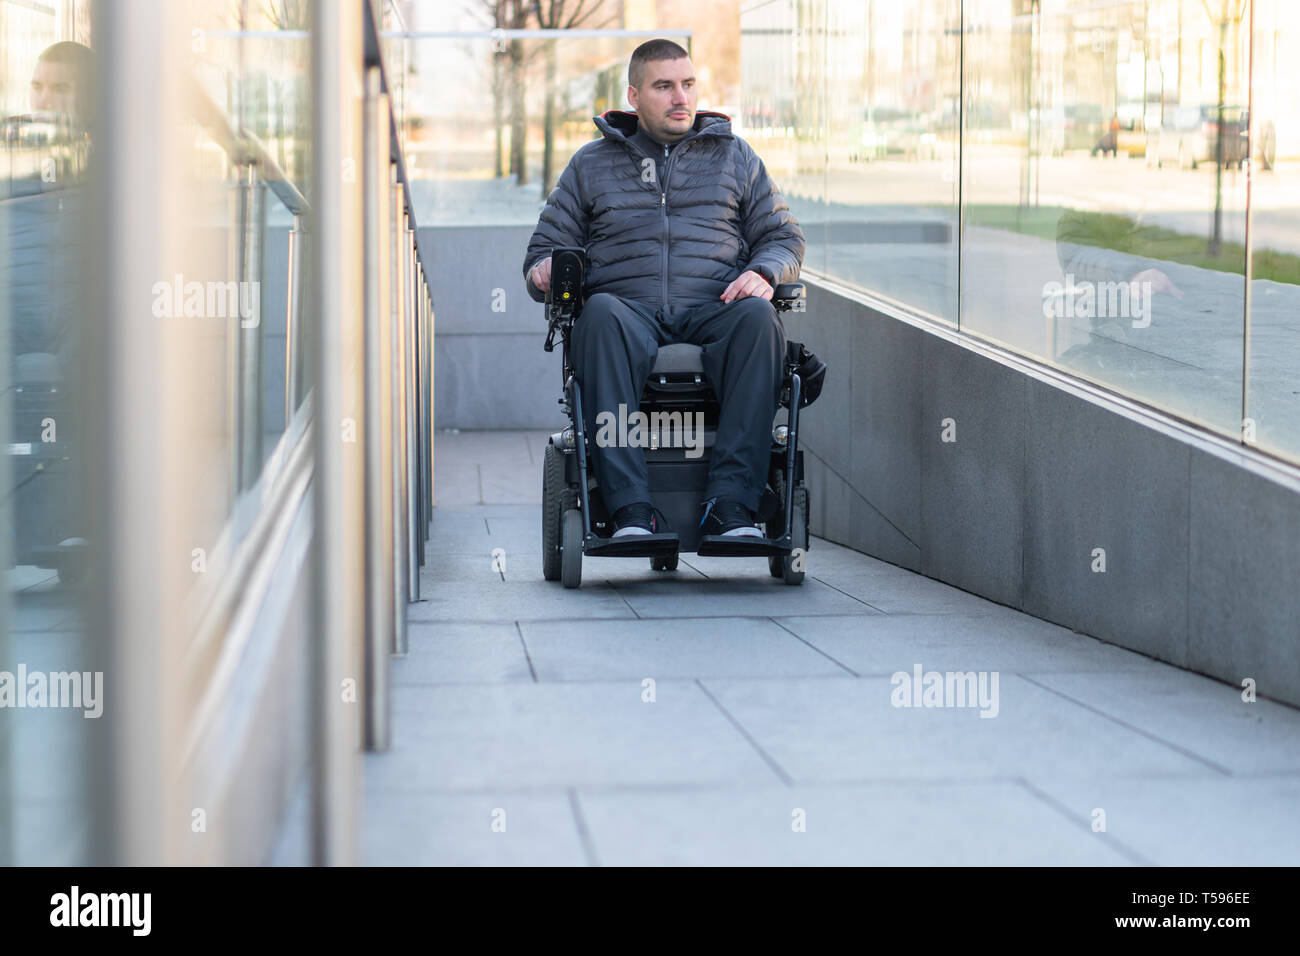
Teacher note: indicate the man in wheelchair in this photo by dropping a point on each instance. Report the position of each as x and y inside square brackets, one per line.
[684, 239]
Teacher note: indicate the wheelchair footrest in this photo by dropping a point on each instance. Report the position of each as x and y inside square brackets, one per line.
[736, 547]
[632, 546]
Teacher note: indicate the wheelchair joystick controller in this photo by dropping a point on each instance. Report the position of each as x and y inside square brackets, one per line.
[564, 297]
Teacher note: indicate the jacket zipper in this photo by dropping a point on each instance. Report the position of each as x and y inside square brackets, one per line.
[663, 204]
[663, 201]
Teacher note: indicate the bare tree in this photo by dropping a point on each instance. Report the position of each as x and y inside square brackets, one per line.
[511, 59]
[509, 66]
[557, 15]
[1227, 17]
[286, 14]
[496, 14]
[515, 17]
[289, 15]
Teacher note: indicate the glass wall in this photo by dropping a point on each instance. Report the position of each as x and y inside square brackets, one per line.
[783, 114]
[1272, 418]
[46, 112]
[490, 153]
[1092, 184]
[853, 107]
[251, 164]
[210, 318]
[215, 397]
[1093, 197]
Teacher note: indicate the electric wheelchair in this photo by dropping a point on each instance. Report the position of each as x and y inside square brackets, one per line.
[575, 520]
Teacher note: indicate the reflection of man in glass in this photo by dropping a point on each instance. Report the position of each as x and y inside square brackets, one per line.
[52, 140]
[1112, 261]
[44, 225]
[61, 82]
[44, 233]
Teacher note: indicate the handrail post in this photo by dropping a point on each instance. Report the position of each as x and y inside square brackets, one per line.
[294, 380]
[429, 393]
[397, 391]
[419, 410]
[408, 368]
[425, 394]
[336, 300]
[378, 562]
[248, 423]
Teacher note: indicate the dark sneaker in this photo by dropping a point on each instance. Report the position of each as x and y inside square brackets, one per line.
[637, 518]
[730, 518]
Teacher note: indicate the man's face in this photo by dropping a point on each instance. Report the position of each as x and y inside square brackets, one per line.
[665, 103]
[54, 89]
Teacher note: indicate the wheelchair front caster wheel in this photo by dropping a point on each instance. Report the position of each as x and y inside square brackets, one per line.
[792, 565]
[664, 562]
[571, 549]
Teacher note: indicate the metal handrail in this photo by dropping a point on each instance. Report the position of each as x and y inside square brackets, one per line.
[273, 175]
[244, 148]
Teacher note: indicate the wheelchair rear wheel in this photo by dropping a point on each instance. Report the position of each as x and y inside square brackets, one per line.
[552, 510]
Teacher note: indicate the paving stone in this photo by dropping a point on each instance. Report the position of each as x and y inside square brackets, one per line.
[844, 730]
[1175, 821]
[699, 647]
[1009, 641]
[949, 824]
[423, 829]
[451, 653]
[1201, 715]
[557, 735]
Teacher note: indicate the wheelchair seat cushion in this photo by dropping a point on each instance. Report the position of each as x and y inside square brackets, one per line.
[679, 358]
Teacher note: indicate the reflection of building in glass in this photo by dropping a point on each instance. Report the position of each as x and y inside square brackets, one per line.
[980, 150]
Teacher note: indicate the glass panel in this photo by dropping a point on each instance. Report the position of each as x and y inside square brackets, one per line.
[488, 162]
[893, 78]
[1103, 226]
[220, 313]
[46, 109]
[1273, 395]
[397, 62]
[783, 68]
[259, 85]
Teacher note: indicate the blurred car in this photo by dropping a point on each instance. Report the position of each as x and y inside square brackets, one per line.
[872, 139]
[1083, 125]
[33, 129]
[1189, 136]
[1134, 122]
[1047, 130]
[891, 132]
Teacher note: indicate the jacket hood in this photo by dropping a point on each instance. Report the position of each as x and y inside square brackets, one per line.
[621, 124]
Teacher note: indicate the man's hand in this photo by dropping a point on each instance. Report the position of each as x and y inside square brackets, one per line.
[746, 284]
[1159, 282]
[541, 274]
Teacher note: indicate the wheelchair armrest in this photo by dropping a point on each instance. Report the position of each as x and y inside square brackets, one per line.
[789, 297]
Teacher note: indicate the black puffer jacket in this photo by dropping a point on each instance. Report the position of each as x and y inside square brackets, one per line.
[719, 215]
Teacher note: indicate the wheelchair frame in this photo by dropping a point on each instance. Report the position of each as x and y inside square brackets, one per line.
[567, 461]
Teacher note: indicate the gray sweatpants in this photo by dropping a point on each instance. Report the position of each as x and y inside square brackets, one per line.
[614, 344]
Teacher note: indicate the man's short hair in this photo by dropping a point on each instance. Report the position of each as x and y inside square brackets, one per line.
[648, 51]
[70, 53]
[77, 57]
